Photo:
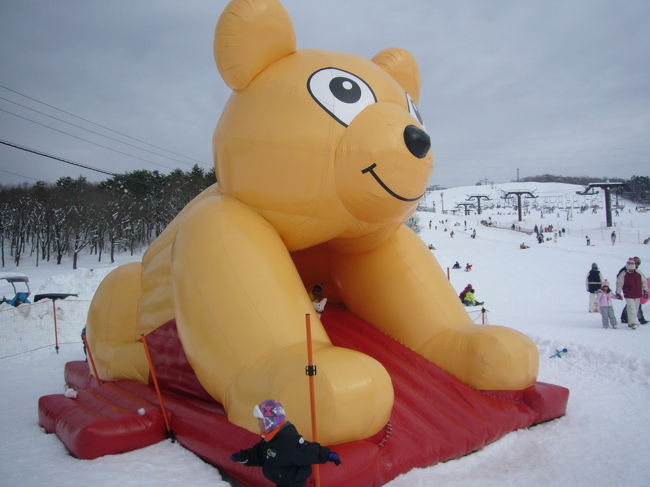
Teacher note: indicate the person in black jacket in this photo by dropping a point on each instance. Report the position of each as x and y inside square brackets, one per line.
[594, 282]
[285, 456]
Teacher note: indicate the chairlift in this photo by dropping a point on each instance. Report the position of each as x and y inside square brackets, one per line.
[20, 296]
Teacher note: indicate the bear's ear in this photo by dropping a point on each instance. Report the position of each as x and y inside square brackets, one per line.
[250, 36]
[403, 67]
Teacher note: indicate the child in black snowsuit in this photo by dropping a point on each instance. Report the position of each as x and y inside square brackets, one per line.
[284, 455]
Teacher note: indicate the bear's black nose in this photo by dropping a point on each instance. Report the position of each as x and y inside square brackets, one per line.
[417, 141]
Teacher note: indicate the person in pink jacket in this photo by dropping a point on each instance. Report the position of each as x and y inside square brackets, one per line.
[604, 298]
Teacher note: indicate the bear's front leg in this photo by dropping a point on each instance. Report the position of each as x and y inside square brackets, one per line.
[401, 289]
[240, 311]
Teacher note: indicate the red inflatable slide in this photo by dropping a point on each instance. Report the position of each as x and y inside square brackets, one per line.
[435, 417]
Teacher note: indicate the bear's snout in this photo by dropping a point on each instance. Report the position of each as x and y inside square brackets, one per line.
[417, 141]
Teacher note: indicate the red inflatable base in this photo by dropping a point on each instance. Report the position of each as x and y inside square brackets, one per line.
[435, 417]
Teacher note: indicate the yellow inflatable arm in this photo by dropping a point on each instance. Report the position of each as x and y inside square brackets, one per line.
[400, 288]
[111, 332]
[240, 300]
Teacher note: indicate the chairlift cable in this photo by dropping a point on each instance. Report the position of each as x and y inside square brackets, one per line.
[19, 175]
[99, 125]
[86, 140]
[95, 132]
[34, 151]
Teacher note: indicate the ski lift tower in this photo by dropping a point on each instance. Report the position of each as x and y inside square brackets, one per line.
[478, 200]
[607, 188]
[466, 206]
[519, 194]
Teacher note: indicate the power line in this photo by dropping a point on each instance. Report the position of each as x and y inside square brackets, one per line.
[100, 125]
[34, 151]
[19, 175]
[94, 132]
[86, 140]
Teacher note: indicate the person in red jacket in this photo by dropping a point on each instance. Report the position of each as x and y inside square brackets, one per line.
[464, 292]
[633, 286]
[639, 314]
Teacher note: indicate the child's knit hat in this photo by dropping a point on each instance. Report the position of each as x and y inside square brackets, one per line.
[271, 412]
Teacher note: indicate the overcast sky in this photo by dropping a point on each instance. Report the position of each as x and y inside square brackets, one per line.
[546, 86]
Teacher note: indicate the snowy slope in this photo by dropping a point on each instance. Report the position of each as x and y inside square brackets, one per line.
[603, 440]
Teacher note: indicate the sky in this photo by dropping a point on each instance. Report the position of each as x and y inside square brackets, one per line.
[601, 442]
[541, 86]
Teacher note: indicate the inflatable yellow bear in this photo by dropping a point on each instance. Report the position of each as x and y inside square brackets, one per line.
[320, 157]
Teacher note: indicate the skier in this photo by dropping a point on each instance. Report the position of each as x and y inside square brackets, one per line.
[594, 282]
[613, 237]
[284, 455]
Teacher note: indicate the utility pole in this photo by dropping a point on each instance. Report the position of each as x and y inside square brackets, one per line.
[478, 200]
[519, 194]
[607, 188]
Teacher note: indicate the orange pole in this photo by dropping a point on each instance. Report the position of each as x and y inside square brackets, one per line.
[92, 362]
[56, 332]
[168, 428]
[311, 372]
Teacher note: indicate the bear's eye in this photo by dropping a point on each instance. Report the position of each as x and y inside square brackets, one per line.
[341, 94]
[413, 109]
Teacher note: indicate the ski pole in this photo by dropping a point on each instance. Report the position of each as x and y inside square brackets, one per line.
[168, 429]
[310, 370]
[56, 333]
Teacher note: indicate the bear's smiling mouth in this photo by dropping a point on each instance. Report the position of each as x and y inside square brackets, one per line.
[371, 169]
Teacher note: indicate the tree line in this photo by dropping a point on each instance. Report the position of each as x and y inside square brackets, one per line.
[128, 211]
[124, 213]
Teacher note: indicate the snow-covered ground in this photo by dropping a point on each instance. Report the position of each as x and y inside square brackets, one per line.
[603, 440]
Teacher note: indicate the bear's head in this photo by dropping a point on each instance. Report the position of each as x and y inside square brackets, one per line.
[327, 146]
